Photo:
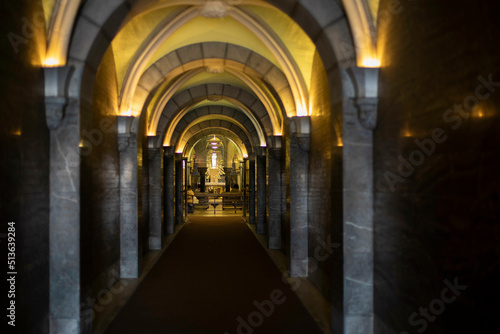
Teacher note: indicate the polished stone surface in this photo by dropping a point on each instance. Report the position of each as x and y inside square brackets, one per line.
[274, 201]
[261, 221]
[168, 186]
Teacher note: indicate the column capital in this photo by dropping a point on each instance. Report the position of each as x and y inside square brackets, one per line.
[168, 150]
[365, 84]
[275, 142]
[153, 142]
[56, 94]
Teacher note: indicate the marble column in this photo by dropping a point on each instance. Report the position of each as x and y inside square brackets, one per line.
[274, 202]
[227, 171]
[203, 172]
[359, 119]
[178, 188]
[261, 227]
[63, 120]
[130, 259]
[251, 189]
[299, 175]
[156, 226]
[243, 187]
[168, 186]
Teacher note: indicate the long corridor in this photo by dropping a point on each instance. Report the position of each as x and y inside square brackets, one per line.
[215, 277]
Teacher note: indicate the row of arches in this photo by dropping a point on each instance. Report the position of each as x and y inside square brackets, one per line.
[164, 85]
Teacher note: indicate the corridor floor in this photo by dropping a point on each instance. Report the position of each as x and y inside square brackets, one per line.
[215, 277]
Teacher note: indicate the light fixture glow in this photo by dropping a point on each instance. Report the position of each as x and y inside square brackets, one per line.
[371, 62]
[213, 143]
[126, 112]
[301, 110]
[51, 62]
[215, 147]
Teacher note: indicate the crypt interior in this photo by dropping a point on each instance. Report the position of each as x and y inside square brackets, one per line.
[352, 144]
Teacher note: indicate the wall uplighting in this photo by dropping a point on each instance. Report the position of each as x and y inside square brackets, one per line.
[371, 62]
[51, 62]
[301, 110]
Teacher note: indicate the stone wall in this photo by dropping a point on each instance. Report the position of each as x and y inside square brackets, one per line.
[100, 186]
[24, 167]
[437, 217]
[323, 141]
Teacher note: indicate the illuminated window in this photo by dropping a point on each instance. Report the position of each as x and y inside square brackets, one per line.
[214, 160]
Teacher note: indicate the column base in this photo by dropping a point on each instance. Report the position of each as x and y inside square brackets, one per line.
[358, 324]
[64, 326]
[129, 268]
[261, 229]
[155, 243]
[298, 267]
[274, 243]
[170, 229]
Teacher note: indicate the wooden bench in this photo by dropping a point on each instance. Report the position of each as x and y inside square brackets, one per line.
[232, 200]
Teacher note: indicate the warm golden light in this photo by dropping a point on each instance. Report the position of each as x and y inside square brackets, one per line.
[406, 131]
[129, 113]
[17, 132]
[301, 110]
[51, 62]
[371, 62]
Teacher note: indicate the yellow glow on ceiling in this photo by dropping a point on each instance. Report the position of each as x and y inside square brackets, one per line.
[203, 29]
[132, 36]
[205, 78]
[374, 4]
[48, 8]
[224, 103]
[298, 43]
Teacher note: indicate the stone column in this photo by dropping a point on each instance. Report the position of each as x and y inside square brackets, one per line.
[227, 171]
[156, 226]
[168, 180]
[261, 227]
[251, 189]
[274, 202]
[178, 188]
[359, 119]
[186, 183]
[299, 175]
[63, 119]
[130, 259]
[203, 172]
[243, 188]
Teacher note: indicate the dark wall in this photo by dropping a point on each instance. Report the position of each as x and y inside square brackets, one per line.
[437, 218]
[100, 186]
[24, 161]
[323, 148]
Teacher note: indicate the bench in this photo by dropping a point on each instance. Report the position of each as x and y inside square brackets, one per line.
[232, 200]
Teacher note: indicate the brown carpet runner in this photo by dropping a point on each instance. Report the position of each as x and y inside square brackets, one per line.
[214, 278]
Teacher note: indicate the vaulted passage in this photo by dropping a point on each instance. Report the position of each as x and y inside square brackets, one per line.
[214, 278]
[358, 139]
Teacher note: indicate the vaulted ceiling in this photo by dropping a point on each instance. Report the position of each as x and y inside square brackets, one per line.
[240, 65]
